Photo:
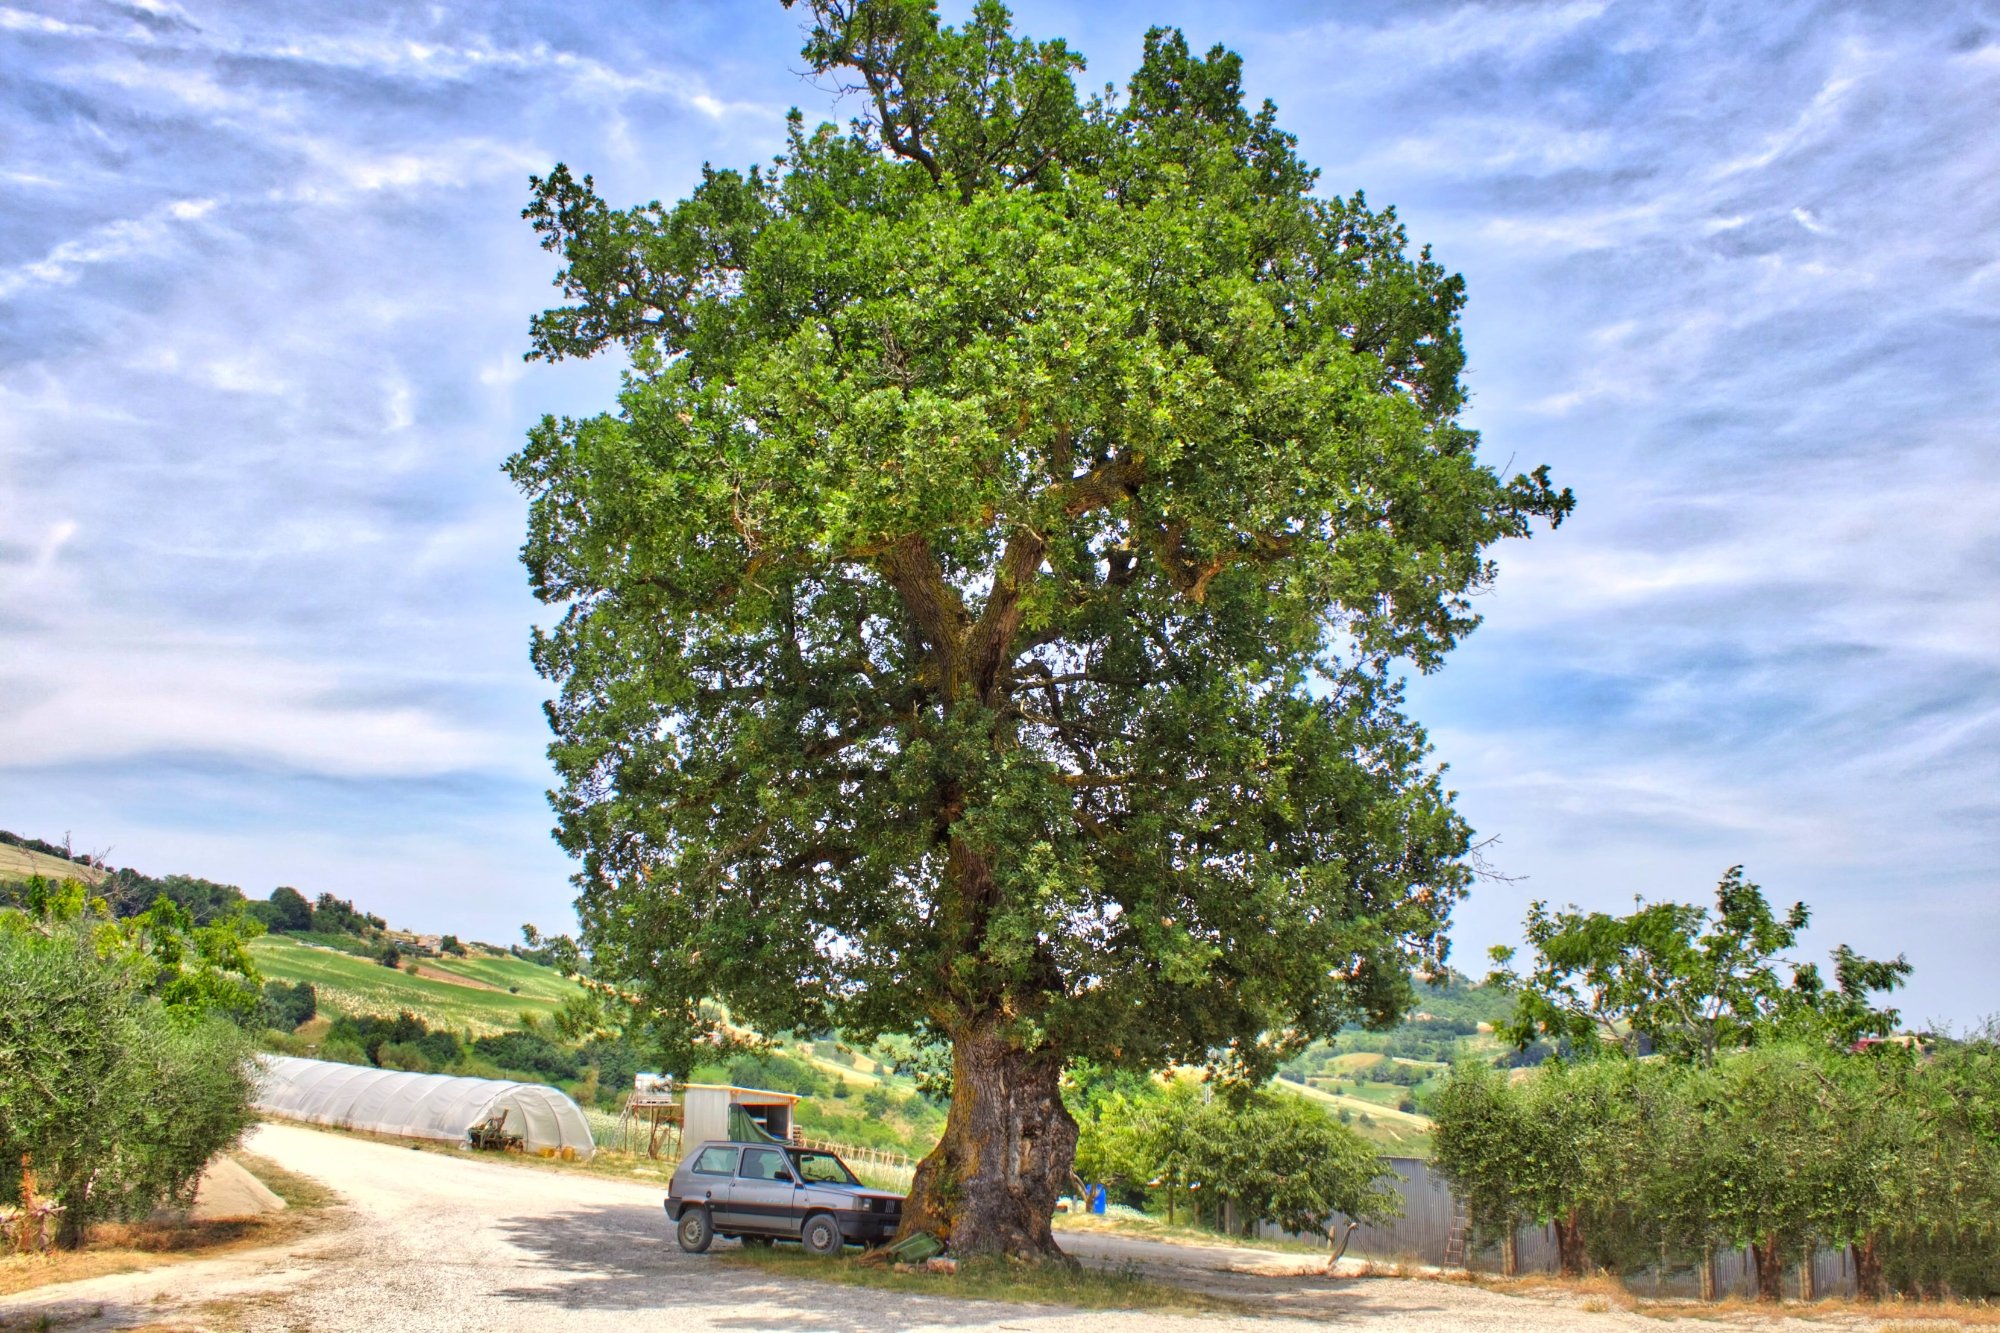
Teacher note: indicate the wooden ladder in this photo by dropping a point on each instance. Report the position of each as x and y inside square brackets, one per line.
[1454, 1244]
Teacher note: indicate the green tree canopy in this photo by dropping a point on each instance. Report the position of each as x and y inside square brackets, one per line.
[983, 609]
[1674, 978]
[119, 1076]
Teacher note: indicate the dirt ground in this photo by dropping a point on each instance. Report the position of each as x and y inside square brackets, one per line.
[432, 1241]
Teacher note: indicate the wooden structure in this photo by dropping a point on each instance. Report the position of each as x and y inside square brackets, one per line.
[652, 1117]
[661, 1119]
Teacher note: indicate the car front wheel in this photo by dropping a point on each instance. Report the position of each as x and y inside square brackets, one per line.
[821, 1235]
[695, 1231]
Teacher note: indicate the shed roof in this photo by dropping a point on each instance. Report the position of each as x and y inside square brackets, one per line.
[747, 1096]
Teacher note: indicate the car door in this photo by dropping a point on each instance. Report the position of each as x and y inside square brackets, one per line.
[711, 1178]
[762, 1198]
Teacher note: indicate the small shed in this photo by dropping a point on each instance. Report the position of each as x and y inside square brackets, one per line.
[722, 1111]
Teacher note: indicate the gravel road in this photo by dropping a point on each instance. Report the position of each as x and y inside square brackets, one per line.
[434, 1241]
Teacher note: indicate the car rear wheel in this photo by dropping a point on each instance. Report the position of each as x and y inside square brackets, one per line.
[695, 1231]
[821, 1235]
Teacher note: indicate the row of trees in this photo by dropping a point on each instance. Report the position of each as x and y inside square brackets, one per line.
[1706, 1091]
[126, 892]
[1204, 1146]
[1785, 1149]
[119, 1074]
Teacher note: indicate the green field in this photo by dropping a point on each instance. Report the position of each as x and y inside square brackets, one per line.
[358, 986]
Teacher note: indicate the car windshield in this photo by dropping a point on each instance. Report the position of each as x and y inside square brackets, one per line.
[822, 1168]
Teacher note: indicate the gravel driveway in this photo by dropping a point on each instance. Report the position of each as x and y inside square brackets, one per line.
[434, 1241]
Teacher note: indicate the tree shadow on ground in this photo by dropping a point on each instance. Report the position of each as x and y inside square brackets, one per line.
[625, 1258]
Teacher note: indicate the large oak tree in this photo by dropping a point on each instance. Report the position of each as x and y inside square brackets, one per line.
[984, 607]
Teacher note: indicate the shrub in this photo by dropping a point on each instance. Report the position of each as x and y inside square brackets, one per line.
[530, 1053]
[439, 1047]
[777, 1073]
[390, 956]
[284, 1007]
[337, 916]
[285, 1043]
[115, 1097]
[402, 1055]
[343, 1052]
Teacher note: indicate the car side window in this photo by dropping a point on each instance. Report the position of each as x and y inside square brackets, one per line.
[715, 1162]
[764, 1164]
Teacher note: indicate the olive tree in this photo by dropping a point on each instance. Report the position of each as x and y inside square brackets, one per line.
[112, 1096]
[983, 610]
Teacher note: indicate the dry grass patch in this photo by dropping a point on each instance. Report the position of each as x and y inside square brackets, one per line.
[130, 1247]
[1602, 1292]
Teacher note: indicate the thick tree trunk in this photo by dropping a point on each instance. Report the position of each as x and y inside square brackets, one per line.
[1570, 1251]
[70, 1229]
[1868, 1268]
[991, 1184]
[1708, 1272]
[1770, 1257]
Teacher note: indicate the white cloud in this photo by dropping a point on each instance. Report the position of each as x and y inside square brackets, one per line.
[18, 20]
[1461, 34]
[111, 242]
[1817, 117]
[97, 691]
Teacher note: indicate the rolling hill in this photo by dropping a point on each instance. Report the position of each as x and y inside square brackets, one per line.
[24, 863]
[484, 994]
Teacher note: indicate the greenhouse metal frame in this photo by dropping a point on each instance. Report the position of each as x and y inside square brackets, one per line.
[421, 1106]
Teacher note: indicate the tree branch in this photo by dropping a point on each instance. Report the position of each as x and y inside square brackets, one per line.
[912, 569]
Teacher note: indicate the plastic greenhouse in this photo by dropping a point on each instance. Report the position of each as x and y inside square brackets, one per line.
[421, 1106]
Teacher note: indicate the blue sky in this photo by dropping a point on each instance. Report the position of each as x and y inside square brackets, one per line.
[263, 298]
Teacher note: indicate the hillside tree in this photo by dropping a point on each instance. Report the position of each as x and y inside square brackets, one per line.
[1676, 979]
[983, 612]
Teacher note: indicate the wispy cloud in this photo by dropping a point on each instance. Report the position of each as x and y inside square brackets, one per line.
[126, 239]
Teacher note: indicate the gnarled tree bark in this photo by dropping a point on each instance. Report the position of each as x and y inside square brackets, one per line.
[991, 1184]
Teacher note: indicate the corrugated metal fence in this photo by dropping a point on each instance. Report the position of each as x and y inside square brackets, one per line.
[1422, 1235]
